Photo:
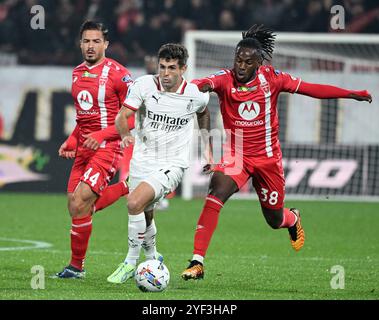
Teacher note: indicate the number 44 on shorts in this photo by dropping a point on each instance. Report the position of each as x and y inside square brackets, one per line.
[93, 179]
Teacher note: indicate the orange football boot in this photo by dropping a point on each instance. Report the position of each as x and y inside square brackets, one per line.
[194, 271]
[297, 235]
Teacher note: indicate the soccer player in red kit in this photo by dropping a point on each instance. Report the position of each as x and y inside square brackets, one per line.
[99, 87]
[248, 96]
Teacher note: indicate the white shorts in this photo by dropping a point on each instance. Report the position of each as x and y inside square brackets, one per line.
[163, 180]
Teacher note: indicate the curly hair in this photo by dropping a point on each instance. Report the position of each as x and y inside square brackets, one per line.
[260, 38]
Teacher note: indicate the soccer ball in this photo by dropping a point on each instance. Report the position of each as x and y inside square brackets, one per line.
[152, 276]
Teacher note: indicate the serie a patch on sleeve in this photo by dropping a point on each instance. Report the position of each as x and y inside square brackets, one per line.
[126, 78]
[219, 73]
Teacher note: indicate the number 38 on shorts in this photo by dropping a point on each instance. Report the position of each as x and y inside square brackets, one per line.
[270, 197]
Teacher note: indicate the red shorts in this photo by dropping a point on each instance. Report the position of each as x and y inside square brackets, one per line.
[267, 174]
[95, 168]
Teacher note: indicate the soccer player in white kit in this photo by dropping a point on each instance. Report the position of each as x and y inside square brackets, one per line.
[165, 106]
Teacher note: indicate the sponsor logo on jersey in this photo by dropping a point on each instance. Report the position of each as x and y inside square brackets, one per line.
[246, 89]
[244, 123]
[249, 110]
[166, 119]
[86, 74]
[165, 122]
[277, 72]
[85, 100]
[156, 96]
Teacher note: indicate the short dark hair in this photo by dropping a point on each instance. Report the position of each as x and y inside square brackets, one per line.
[93, 25]
[260, 38]
[173, 51]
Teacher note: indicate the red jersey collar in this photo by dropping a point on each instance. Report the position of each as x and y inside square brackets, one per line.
[95, 65]
[247, 84]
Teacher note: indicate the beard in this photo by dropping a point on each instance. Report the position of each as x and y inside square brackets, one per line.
[91, 59]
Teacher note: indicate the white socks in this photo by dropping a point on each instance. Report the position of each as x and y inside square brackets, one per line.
[198, 258]
[136, 233]
[148, 243]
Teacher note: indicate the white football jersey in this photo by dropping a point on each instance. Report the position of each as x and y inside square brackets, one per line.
[164, 121]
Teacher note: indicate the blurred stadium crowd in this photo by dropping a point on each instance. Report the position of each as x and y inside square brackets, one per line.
[138, 27]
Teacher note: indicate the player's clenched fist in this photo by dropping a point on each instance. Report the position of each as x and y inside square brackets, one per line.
[66, 152]
[91, 142]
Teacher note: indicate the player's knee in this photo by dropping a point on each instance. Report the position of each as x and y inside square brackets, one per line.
[76, 207]
[222, 187]
[134, 206]
[220, 193]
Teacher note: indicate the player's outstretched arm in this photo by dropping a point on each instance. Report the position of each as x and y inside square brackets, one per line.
[123, 127]
[204, 84]
[94, 139]
[323, 91]
[204, 121]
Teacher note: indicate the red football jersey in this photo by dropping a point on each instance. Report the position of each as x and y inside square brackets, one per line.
[249, 110]
[98, 92]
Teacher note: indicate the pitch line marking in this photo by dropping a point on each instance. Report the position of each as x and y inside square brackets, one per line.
[33, 244]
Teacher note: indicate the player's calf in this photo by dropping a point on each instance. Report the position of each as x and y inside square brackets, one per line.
[274, 217]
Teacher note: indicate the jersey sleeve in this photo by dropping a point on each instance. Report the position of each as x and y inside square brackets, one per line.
[216, 81]
[122, 83]
[134, 97]
[203, 101]
[287, 82]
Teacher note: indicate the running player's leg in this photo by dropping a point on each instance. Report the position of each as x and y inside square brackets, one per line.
[81, 226]
[140, 203]
[80, 208]
[138, 199]
[149, 243]
[220, 189]
[113, 192]
[90, 175]
[269, 183]
[110, 195]
[227, 178]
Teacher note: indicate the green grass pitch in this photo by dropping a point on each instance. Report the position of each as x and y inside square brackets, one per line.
[246, 260]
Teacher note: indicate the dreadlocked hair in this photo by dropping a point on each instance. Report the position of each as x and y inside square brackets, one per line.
[261, 38]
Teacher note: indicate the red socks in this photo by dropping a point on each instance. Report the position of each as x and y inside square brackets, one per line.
[110, 195]
[80, 233]
[289, 218]
[207, 224]
[82, 227]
